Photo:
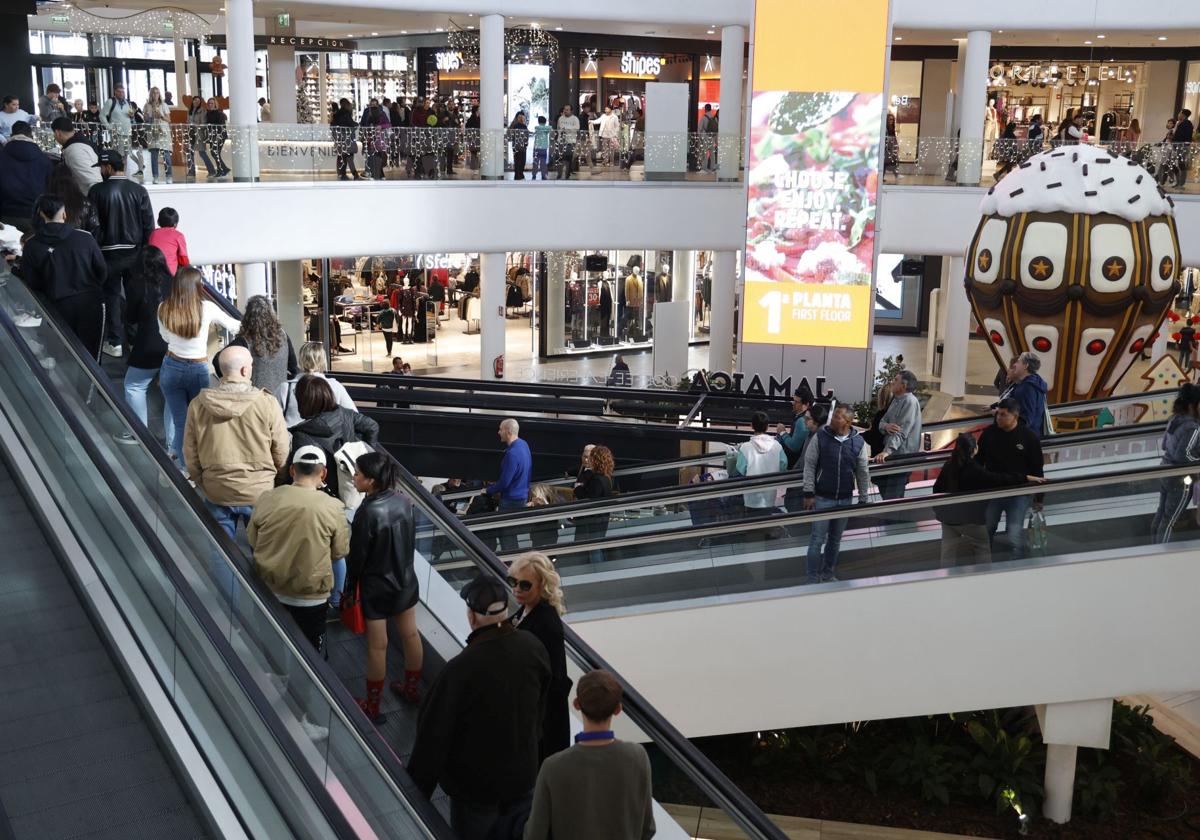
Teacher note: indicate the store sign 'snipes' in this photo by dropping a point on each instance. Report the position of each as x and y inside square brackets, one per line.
[813, 174]
[448, 60]
[640, 65]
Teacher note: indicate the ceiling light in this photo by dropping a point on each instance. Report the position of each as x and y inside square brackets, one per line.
[1087, 43]
[712, 32]
[1101, 37]
[374, 33]
[1001, 31]
[403, 31]
[559, 28]
[898, 38]
[440, 29]
[535, 24]
[1162, 37]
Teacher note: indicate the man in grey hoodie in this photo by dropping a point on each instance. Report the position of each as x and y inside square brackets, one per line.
[902, 425]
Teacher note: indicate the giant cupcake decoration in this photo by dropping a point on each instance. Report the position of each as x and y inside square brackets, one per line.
[1076, 260]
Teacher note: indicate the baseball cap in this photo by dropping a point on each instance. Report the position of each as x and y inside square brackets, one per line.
[62, 124]
[110, 156]
[485, 595]
[309, 455]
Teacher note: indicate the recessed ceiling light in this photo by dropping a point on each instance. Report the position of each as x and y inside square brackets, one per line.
[403, 31]
[1001, 31]
[1101, 37]
[1087, 43]
[712, 32]
[374, 33]
[440, 29]
[558, 28]
[898, 38]
[1162, 37]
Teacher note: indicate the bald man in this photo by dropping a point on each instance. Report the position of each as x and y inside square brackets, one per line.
[234, 441]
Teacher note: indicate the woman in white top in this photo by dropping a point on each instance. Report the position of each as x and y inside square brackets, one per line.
[184, 319]
[311, 359]
[158, 134]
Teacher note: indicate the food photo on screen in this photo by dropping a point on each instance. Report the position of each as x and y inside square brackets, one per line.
[813, 186]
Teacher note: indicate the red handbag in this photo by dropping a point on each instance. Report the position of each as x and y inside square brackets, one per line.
[352, 615]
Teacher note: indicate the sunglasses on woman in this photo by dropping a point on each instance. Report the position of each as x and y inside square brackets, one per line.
[523, 585]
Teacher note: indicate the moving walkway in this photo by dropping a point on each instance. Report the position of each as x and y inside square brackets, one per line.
[295, 757]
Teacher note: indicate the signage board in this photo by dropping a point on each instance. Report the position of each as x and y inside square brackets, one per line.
[641, 65]
[816, 117]
[448, 60]
[298, 41]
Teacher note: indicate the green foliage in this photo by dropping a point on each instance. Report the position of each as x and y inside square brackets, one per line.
[1098, 786]
[1159, 770]
[925, 762]
[863, 411]
[1006, 769]
[814, 753]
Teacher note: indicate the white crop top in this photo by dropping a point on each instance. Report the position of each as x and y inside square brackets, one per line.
[197, 348]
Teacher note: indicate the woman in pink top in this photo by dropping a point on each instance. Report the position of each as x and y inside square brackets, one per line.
[169, 240]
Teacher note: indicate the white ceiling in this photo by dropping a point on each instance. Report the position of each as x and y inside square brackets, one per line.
[339, 22]
[1045, 38]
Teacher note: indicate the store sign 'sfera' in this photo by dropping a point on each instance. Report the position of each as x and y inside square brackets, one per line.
[448, 60]
[641, 65]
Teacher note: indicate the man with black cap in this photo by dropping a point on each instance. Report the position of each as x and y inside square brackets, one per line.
[477, 732]
[77, 153]
[126, 222]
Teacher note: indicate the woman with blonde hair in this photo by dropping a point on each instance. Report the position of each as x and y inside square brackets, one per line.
[538, 590]
[311, 360]
[158, 134]
[184, 318]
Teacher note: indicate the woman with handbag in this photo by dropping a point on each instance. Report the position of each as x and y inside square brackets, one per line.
[381, 580]
[538, 590]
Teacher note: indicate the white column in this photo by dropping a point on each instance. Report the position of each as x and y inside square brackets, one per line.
[281, 84]
[1066, 727]
[1060, 781]
[957, 333]
[973, 96]
[491, 95]
[181, 74]
[729, 122]
[243, 102]
[724, 290]
[683, 273]
[251, 281]
[960, 65]
[491, 313]
[322, 109]
[289, 299]
[194, 75]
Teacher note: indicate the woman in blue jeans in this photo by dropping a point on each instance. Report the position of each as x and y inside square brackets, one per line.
[149, 348]
[184, 319]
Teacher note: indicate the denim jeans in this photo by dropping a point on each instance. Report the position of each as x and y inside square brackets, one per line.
[1014, 510]
[227, 517]
[137, 384]
[892, 486]
[541, 160]
[825, 540]
[155, 154]
[180, 383]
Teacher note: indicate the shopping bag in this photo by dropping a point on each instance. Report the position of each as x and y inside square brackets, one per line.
[352, 615]
[1036, 536]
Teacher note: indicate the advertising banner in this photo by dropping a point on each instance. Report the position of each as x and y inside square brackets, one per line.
[816, 117]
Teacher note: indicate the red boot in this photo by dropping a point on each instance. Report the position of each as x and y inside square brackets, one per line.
[410, 689]
[370, 705]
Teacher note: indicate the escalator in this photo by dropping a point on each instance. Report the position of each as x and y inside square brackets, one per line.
[320, 765]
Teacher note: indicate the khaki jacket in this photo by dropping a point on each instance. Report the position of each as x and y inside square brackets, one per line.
[234, 443]
[296, 533]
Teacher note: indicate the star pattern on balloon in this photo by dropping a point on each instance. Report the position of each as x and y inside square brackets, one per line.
[1114, 268]
[985, 259]
[1041, 268]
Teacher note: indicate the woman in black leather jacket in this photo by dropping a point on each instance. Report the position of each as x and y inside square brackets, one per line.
[380, 571]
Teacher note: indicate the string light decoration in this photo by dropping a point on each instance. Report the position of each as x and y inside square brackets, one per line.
[522, 45]
[159, 22]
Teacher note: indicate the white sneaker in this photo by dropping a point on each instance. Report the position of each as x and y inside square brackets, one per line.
[125, 438]
[113, 350]
[314, 731]
[26, 320]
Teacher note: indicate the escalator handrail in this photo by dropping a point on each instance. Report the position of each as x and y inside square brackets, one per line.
[1059, 408]
[313, 784]
[701, 771]
[882, 508]
[735, 485]
[327, 679]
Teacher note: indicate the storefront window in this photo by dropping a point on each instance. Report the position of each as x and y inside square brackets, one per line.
[1191, 87]
[1103, 92]
[904, 103]
[135, 46]
[42, 42]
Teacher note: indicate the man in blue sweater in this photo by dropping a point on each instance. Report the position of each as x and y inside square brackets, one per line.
[513, 483]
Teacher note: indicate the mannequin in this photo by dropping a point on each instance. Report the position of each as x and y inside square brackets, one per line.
[635, 293]
[991, 123]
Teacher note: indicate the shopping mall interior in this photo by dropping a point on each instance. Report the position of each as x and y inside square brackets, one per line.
[854, 348]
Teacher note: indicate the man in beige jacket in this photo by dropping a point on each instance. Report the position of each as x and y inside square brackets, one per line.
[296, 533]
[235, 441]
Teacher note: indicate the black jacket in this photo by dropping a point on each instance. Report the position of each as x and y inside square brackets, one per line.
[1184, 130]
[331, 430]
[478, 728]
[619, 376]
[61, 261]
[968, 478]
[126, 217]
[544, 622]
[381, 544]
[24, 172]
[1016, 452]
[149, 348]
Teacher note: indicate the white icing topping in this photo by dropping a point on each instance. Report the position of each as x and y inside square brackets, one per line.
[1122, 196]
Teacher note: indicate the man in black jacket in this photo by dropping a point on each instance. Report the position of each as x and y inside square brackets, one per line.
[65, 267]
[126, 222]
[24, 172]
[1182, 138]
[1009, 446]
[478, 730]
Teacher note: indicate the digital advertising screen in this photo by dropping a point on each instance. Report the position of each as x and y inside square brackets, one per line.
[529, 91]
[816, 118]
